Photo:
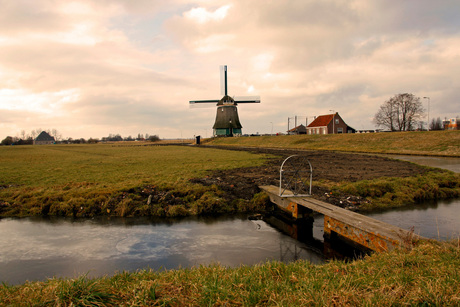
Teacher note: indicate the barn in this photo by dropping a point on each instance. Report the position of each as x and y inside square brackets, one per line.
[44, 139]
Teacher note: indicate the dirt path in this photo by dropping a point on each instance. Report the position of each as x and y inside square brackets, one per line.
[331, 166]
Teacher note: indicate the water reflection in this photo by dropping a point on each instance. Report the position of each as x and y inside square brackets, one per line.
[449, 163]
[434, 220]
[36, 249]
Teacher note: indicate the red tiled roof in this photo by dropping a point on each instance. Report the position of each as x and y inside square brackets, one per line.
[321, 121]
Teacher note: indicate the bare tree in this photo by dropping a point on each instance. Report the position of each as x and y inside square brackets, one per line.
[57, 135]
[400, 113]
[35, 133]
[436, 124]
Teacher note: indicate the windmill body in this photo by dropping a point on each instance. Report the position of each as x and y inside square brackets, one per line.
[227, 122]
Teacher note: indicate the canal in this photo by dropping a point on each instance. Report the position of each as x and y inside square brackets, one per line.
[40, 248]
[433, 219]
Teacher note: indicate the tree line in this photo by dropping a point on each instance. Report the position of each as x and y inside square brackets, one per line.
[140, 137]
[28, 138]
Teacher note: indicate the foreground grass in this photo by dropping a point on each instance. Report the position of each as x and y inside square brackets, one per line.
[434, 143]
[427, 275]
[88, 180]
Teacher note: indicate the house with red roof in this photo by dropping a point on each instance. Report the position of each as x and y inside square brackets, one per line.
[329, 124]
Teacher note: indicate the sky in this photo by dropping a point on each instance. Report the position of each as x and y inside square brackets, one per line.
[94, 68]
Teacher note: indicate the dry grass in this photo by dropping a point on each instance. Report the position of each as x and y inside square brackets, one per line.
[88, 180]
[434, 143]
[427, 275]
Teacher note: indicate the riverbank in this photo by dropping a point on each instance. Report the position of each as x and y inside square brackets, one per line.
[358, 182]
[171, 181]
[424, 275]
[430, 143]
[112, 180]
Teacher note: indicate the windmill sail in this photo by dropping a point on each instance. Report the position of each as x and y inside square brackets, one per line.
[223, 80]
[203, 101]
[247, 99]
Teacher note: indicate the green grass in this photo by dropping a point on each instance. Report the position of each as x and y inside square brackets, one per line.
[435, 143]
[427, 275]
[90, 180]
[393, 192]
[87, 180]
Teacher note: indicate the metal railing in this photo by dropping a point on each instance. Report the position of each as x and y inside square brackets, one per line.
[296, 176]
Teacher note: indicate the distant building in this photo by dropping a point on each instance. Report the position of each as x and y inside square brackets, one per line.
[329, 124]
[44, 139]
[298, 130]
[451, 124]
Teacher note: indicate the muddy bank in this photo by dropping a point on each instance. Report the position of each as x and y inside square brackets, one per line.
[332, 167]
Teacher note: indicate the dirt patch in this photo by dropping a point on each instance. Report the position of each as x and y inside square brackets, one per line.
[331, 166]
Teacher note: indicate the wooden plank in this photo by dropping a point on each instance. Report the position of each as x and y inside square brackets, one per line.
[367, 231]
[354, 219]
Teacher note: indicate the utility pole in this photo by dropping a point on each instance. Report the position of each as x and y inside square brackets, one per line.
[333, 121]
[428, 126]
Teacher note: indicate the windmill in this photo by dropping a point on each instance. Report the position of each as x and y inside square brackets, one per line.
[227, 122]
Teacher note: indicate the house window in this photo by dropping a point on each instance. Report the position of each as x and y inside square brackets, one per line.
[339, 130]
[336, 121]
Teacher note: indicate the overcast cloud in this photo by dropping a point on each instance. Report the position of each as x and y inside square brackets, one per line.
[91, 68]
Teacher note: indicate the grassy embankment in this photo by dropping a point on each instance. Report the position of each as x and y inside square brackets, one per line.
[431, 143]
[381, 192]
[428, 275]
[88, 180]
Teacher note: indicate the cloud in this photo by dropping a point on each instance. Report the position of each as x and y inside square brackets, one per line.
[91, 68]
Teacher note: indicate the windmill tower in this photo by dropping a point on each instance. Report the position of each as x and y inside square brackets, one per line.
[227, 121]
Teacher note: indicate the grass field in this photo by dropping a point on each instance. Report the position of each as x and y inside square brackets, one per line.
[126, 179]
[87, 180]
[434, 143]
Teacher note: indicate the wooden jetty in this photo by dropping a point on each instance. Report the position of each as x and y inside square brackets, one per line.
[338, 222]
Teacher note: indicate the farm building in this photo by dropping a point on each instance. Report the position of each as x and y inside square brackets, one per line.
[329, 124]
[298, 130]
[43, 139]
